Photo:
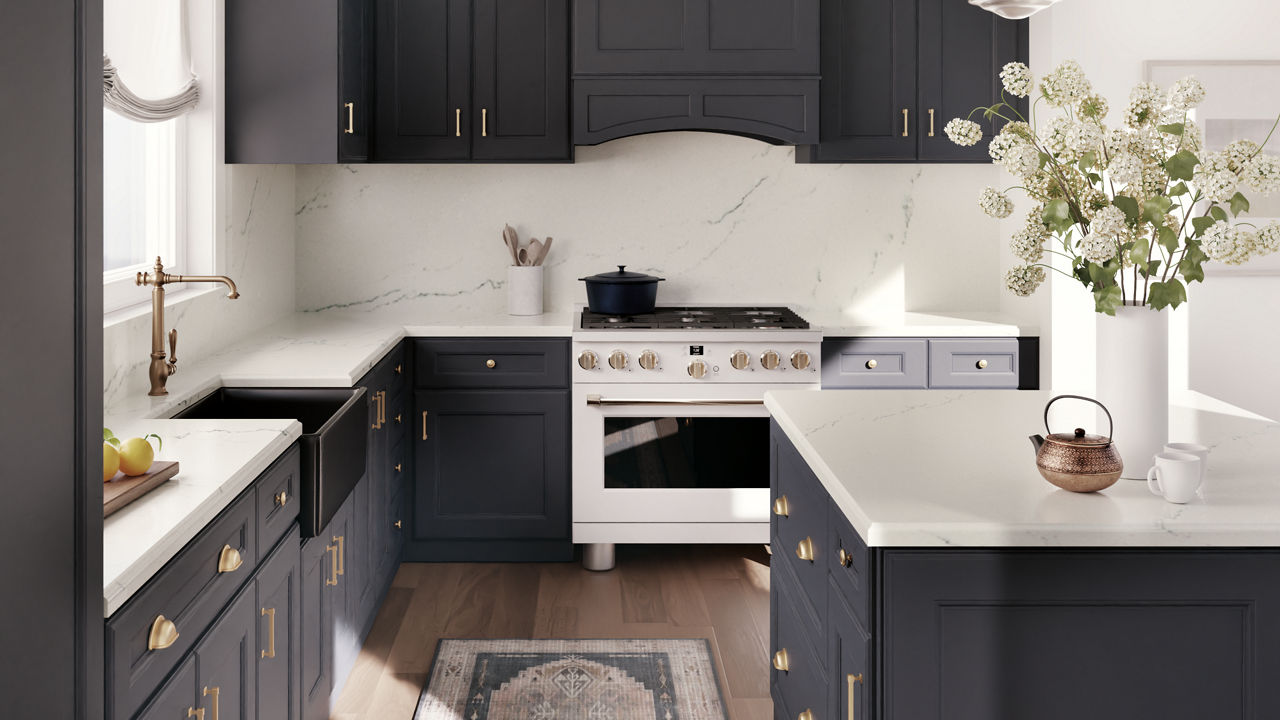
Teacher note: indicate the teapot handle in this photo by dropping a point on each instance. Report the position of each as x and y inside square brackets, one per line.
[1111, 425]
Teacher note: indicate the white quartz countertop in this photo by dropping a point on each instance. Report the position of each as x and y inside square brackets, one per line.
[916, 324]
[217, 460]
[925, 468]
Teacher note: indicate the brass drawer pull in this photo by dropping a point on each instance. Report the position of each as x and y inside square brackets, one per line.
[781, 507]
[871, 364]
[804, 550]
[213, 692]
[484, 122]
[424, 424]
[853, 680]
[282, 497]
[806, 715]
[904, 122]
[163, 634]
[782, 661]
[351, 129]
[333, 580]
[229, 560]
[382, 408]
[342, 553]
[490, 363]
[981, 364]
[457, 122]
[930, 122]
[270, 615]
[845, 559]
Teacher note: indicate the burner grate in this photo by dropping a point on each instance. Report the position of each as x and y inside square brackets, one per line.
[699, 318]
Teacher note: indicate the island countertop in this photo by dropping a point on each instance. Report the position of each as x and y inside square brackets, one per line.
[929, 468]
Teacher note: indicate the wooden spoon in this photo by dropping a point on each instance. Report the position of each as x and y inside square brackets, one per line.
[513, 243]
[535, 252]
[546, 248]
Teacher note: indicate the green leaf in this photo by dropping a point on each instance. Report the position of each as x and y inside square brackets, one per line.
[1179, 189]
[1192, 265]
[1166, 294]
[110, 438]
[1104, 275]
[1057, 215]
[1239, 204]
[159, 442]
[1153, 210]
[1138, 253]
[1153, 267]
[1218, 213]
[1171, 128]
[1181, 166]
[1107, 299]
[1088, 160]
[1168, 239]
[1201, 224]
[1129, 206]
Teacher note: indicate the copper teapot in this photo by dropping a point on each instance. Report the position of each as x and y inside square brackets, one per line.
[1077, 461]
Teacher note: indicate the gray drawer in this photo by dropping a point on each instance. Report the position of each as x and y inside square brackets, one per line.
[849, 363]
[492, 363]
[973, 363]
[278, 500]
[190, 592]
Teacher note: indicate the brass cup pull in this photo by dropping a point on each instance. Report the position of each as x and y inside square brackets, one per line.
[197, 714]
[342, 553]
[853, 680]
[270, 615]
[781, 507]
[782, 661]
[981, 364]
[457, 122]
[350, 130]
[804, 550]
[333, 580]
[163, 633]
[871, 364]
[905, 115]
[229, 560]
[844, 558]
[213, 692]
[930, 122]
[282, 497]
[806, 715]
[490, 364]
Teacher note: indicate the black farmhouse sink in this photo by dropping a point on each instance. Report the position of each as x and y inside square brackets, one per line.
[333, 443]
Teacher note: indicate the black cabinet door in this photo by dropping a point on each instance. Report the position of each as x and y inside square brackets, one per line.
[423, 81]
[355, 74]
[279, 587]
[226, 668]
[848, 659]
[177, 697]
[319, 577]
[492, 464]
[521, 80]
[868, 88]
[962, 49]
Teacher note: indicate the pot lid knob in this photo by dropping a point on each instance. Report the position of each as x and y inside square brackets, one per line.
[1079, 432]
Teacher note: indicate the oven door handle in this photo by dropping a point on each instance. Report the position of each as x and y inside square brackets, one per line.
[598, 400]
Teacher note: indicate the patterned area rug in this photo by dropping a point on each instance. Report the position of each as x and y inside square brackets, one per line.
[572, 680]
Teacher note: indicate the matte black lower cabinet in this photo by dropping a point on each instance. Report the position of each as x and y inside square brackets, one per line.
[1015, 633]
[279, 588]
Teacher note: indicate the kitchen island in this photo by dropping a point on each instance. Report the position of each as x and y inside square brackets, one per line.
[923, 569]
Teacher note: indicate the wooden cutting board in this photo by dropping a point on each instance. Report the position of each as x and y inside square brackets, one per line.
[122, 489]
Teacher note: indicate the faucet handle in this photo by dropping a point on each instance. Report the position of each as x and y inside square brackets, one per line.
[173, 346]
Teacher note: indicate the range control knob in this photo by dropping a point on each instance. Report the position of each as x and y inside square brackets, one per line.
[697, 369]
[618, 360]
[770, 360]
[648, 360]
[587, 360]
[800, 360]
[739, 360]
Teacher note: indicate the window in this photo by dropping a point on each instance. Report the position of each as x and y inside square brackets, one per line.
[143, 204]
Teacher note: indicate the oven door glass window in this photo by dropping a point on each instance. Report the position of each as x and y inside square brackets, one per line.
[686, 452]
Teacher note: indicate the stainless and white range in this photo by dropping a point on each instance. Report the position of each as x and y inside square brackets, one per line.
[670, 432]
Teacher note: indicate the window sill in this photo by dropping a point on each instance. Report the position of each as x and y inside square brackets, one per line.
[172, 299]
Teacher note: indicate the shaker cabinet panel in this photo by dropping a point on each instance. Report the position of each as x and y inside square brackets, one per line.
[316, 617]
[176, 698]
[226, 667]
[279, 601]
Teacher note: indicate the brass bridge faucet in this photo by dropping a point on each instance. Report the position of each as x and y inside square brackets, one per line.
[160, 368]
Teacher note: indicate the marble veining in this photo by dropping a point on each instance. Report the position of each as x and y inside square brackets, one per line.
[926, 468]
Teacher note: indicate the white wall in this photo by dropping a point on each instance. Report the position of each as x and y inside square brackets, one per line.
[1112, 40]
[723, 218]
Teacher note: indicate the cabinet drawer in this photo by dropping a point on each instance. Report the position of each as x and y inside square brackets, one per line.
[800, 517]
[874, 363]
[973, 363]
[802, 686]
[492, 363]
[850, 571]
[277, 499]
[189, 592]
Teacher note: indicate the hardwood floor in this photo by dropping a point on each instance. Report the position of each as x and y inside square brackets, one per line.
[702, 591]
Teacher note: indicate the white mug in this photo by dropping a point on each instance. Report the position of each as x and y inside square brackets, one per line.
[1175, 476]
[1199, 451]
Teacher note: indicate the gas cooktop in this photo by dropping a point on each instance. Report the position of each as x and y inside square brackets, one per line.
[699, 318]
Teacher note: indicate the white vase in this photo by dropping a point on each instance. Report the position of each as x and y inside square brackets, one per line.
[1133, 382]
[524, 290]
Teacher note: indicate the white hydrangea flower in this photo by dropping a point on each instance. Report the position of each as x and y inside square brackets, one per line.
[1262, 173]
[1155, 179]
[1186, 93]
[995, 203]
[1093, 106]
[1239, 153]
[1218, 186]
[1038, 184]
[1267, 240]
[1086, 137]
[1065, 85]
[1125, 168]
[1145, 101]
[1057, 139]
[1026, 246]
[1092, 200]
[1017, 79]
[963, 132]
[1227, 243]
[1018, 129]
[1098, 249]
[1022, 160]
[1024, 279]
[1109, 222]
[1191, 139]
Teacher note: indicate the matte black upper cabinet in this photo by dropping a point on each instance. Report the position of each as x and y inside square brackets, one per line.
[482, 80]
[895, 71]
[298, 80]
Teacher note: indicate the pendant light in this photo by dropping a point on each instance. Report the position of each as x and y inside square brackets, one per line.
[1013, 9]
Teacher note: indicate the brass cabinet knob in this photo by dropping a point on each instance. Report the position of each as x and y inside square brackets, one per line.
[781, 507]
[399, 369]
[648, 360]
[982, 364]
[782, 661]
[398, 466]
[770, 360]
[229, 560]
[844, 558]
[800, 360]
[806, 715]
[739, 360]
[804, 550]
[163, 633]
[871, 364]
[398, 419]
[490, 363]
[399, 525]
[282, 497]
[697, 369]
[618, 360]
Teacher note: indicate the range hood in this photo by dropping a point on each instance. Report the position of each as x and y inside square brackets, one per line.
[642, 66]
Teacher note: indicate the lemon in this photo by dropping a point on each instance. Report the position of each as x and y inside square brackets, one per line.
[136, 456]
[110, 462]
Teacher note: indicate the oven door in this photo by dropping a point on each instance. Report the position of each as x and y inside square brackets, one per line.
[673, 456]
